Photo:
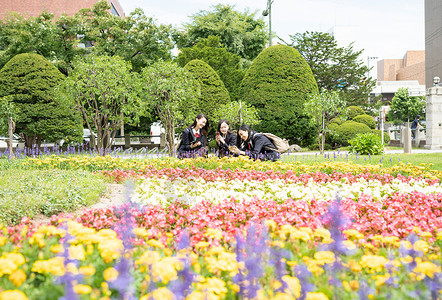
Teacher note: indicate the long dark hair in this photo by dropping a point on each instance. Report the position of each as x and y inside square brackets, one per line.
[221, 123]
[205, 129]
[239, 140]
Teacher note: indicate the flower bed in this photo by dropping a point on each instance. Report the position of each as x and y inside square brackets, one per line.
[274, 232]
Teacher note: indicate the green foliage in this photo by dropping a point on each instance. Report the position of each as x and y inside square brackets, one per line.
[353, 111]
[366, 119]
[213, 91]
[241, 33]
[323, 107]
[135, 38]
[29, 81]
[405, 107]
[7, 110]
[366, 143]
[106, 93]
[335, 68]
[237, 113]
[347, 131]
[171, 91]
[277, 84]
[386, 135]
[337, 121]
[225, 63]
[46, 192]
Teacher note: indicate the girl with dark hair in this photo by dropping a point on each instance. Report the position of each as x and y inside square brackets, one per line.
[224, 138]
[254, 145]
[194, 138]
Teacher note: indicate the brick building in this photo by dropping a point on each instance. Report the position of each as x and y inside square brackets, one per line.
[34, 8]
[410, 67]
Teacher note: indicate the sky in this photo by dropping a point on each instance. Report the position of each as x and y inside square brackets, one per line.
[384, 29]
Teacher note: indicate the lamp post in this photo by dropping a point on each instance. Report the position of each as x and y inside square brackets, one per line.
[436, 81]
[268, 12]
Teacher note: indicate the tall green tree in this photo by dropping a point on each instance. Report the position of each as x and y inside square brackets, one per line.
[225, 63]
[405, 107]
[335, 68]
[323, 107]
[237, 113]
[136, 38]
[106, 93]
[277, 84]
[242, 33]
[171, 91]
[53, 39]
[29, 80]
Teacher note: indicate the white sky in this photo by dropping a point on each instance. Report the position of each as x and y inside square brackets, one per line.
[384, 28]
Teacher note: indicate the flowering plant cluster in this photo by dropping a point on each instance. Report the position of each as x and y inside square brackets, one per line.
[264, 261]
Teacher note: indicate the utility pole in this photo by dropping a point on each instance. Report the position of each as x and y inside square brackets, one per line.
[268, 12]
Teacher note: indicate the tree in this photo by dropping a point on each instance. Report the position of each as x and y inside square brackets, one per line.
[323, 107]
[237, 113]
[29, 79]
[403, 106]
[136, 38]
[41, 35]
[241, 33]
[171, 91]
[335, 68]
[213, 91]
[277, 84]
[225, 63]
[106, 93]
[8, 113]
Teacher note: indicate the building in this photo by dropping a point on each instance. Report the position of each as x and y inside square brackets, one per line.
[389, 88]
[410, 67]
[433, 40]
[32, 8]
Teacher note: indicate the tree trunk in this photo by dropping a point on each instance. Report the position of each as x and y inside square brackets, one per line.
[10, 132]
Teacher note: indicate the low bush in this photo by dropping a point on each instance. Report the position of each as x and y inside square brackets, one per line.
[366, 143]
[386, 135]
[347, 131]
[353, 111]
[366, 119]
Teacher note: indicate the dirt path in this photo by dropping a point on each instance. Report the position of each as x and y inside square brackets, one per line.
[114, 196]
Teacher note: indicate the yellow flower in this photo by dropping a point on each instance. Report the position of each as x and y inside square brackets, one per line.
[213, 285]
[87, 270]
[3, 240]
[279, 244]
[140, 232]
[196, 295]
[322, 233]
[350, 245]
[37, 239]
[421, 246]
[293, 286]
[53, 265]
[353, 233]
[56, 248]
[427, 268]
[373, 262]
[354, 285]
[393, 240]
[77, 252]
[13, 295]
[214, 233]
[316, 296]
[17, 277]
[202, 245]
[155, 244]
[110, 274]
[271, 224]
[162, 294]
[148, 258]
[166, 269]
[324, 257]
[82, 289]
[426, 234]
[380, 279]
[282, 296]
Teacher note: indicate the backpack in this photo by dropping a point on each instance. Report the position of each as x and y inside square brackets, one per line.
[281, 145]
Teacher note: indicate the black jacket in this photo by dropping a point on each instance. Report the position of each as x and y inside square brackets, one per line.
[229, 140]
[258, 146]
[188, 138]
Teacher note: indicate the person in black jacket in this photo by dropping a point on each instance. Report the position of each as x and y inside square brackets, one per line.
[224, 138]
[254, 145]
[194, 138]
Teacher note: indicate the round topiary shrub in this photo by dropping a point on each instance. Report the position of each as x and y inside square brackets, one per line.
[277, 84]
[366, 119]
[386, 135]
[30, 80]
[347, 131]
[353, 111]
[366, 144]
[213, 91]
[337, 121]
